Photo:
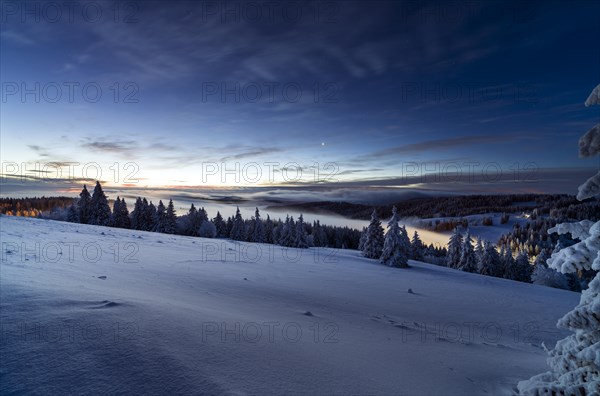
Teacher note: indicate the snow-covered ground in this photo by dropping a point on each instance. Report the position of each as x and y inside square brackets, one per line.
[123, 311]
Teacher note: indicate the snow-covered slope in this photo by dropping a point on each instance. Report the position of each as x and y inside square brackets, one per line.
[162, 314]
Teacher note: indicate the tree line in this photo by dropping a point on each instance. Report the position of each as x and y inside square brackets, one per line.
[560, 206]
[94, 209]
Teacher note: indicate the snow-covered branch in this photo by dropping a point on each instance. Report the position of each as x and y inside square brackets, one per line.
[590, 188]
[594, 97]
[589, 144]
[582, 255]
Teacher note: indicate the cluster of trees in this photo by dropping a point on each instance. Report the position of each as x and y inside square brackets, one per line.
[94, 209]
[485, 259]
[531, 237]
[534, 238]
[289, 232]
[445, 225]
[32, 207]
[395, 248]
[513, 261]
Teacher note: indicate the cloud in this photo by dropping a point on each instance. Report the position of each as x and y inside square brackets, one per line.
[437, 144]
[123, 147]
[251, 153]
[41, 151]
[16, 37]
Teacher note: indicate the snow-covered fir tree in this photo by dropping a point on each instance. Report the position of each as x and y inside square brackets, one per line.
[193, 221]
[269, 228]
[373, 245]
[405, 239]
[478, 249]
[237, 227]
[160, 223]
[508, 262]
[395, 249]
[575, 360]
[454, 249]
[207, 230]
[150, 215]
[292, 233]
[115, 212]
[468, 259]
[220, 226]
[277, 230]
[83, 206]
[301, 240]
[542, 275]
[72, 214]
[124, 220]
[170, 219]
[417, 248]
[99, 209]
[363, 238]
[521, 269]
[319, 236]
[491, 263]
[258, 232]
[229, 226]
[120, 214]
[137, 215]
[284, 232]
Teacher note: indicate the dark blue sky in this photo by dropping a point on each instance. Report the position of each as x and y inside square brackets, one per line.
[370, 86]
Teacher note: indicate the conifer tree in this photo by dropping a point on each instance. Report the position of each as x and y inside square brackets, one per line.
[99, 209]
[72, 215]
[137, 215]
[120, 214]
[478, 249]
[83, 206]
[160, 218]
[124, 221]
[468, 260]
[319, 236]
[454, 249]
[508, 262]
[521, 269]
[542, 275]
[490, 264]
[170, 219]
[238, 227]
[149, 215]
[220, 226]
[269, 228]
[192, 222]
[301, 235]
[373, 246]
[284, 232]
[417, 248]
[394, 253]
[258, 233]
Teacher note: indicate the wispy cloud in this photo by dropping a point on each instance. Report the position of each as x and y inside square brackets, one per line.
[16, 37]
[110, 147]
